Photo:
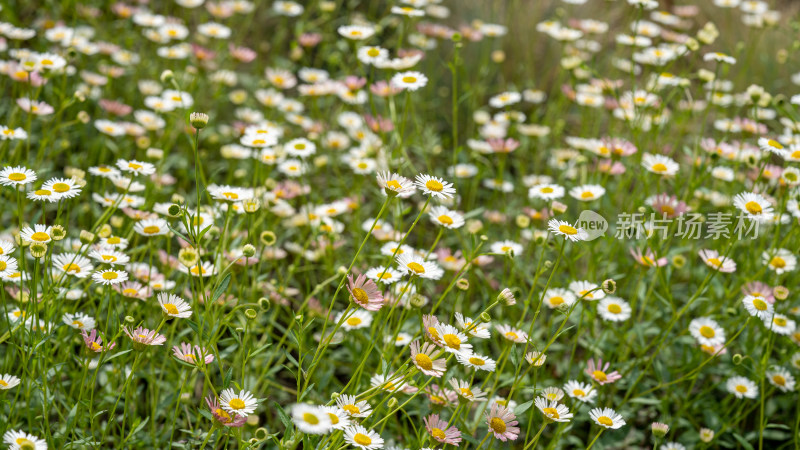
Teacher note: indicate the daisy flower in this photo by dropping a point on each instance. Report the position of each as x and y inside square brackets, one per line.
[476, 361]
[94, 342]
[599, 372]
[713, 259]
[18, 440]
[647, 258]
[136, 167]
[440, 215]
[719, 57]
[417, 266]
[8, 381]
[151, 227]
[339, 419]
[422, 359]
[16, 176]
[707, 331]
[552, 394]
[311, 419]
[395, 184]
[142, 337]
[63, 187]
[109, 277]
[780, 324]
[614, 309]
[502, 423]
[546, 191]
[357, 319]
[754, 206]
[757, 306]
[79, 321]
[6, 247]
[587, 192]
[358, 436]
[8, 266]
[563, 228]
[192, 354]
[510, 248]
[780, 260]
[780, 378]
[174, 306]
[772, 146]
[512, 334]
[607, 418]
[39, 233]
[586, 290]
[409, 80]
[371, 54]
[466, 324]
[365, 293]
[110, 256]
[353, 407]
[465, 391]
[203, 269]
[241, 404]
[355, 32]
[222, 416]
[741, 387]
[434, 187]
[660, 164]
[385, 275]
[438, 429]
[581, 391]
[558, 297]
[759, 289]
[452, 340]
[552, 410]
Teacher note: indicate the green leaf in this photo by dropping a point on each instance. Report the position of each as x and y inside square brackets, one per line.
[116, 355]
[221, 288]
[282, 414]
[743, 441]
[227, 381]
[523, 407]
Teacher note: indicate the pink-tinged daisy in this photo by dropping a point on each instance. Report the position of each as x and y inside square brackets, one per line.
[223, 417]
[647, 258]
[607, 418]
[192, 354]
[94, 342]
[667, 205]
[439, 431]
[174, 306]
[441, 396]
[365, 293]
[759, 289]
[599, 372]
[713, 259]
[502, 423]
[422, 359]
[142, 337]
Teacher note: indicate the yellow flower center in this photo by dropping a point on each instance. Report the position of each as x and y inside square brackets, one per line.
[497, 425]
[452, 341]
[777, 262]
[170, 308]
[438, 433]
[546, 190]
[231, 195]
[360, 295]
[599, 375]
[61, 187]
[310, 418]
[424, 361]
[134, 166]
[779, 380]
[362, 439]
[659, 167]
[445, 219]
[605, 420]
[409, 79]
[779, 321]
[110, 275]
[3, 383]
[556, 300]
[42, 192]
[775, 144]
[151, 229]
[354, 321]
[512, 335]
[759, 304]
[114, 240]
[434, 185]
[614, 308]
[71, 267]
[236, 404]
[17, 176]
[566, 229]
[741, 388]
[715, 261]
[587, 194]
[351, 409]
[129, 291]
[476, 361]
[40, 236]
[707, 332]
[373, 52]
[334, 418]
[753, 208]
[466, 392]
[416, 267]
[551, 412]
[578, 393]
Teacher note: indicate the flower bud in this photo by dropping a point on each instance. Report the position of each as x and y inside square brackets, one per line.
[341, 270]
[188, 256]
[58, 233]
[737, 359]
[129, 319]
[523, 221]
[609, 286]
[105, 231]
[462, 284]
[198, 120]
[485, 317]
[558, 207]
[268, 238]
[154, 153]
[87, 237]
[251, 205]
[261, 433]
[263, 304]
[117, 221]
[706, 435]
[250, 313]
[780, 292]
[38, 249]
[506, 297]
[174, 210]
[659, 429]
[678, 261]
[248, 250]
[167, 77]
[392, 403]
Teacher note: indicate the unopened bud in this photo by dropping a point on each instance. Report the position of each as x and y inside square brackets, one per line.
[198, 120]
[737, 359]
[250, 313]
[58, 233]
[462, 284]
[780, 292]
[609, 286]
[174, 210]
[129, 319]
[38, 249]
[558, 207]
[506, 297]
[659, 429]
[87, 237]
[248, 250]
[167, 77]
[268, 238]
[706, 435]
[105, 231]
[392, 403]
[263, 303]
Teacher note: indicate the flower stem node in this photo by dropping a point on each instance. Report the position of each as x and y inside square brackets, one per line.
[485, 317]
